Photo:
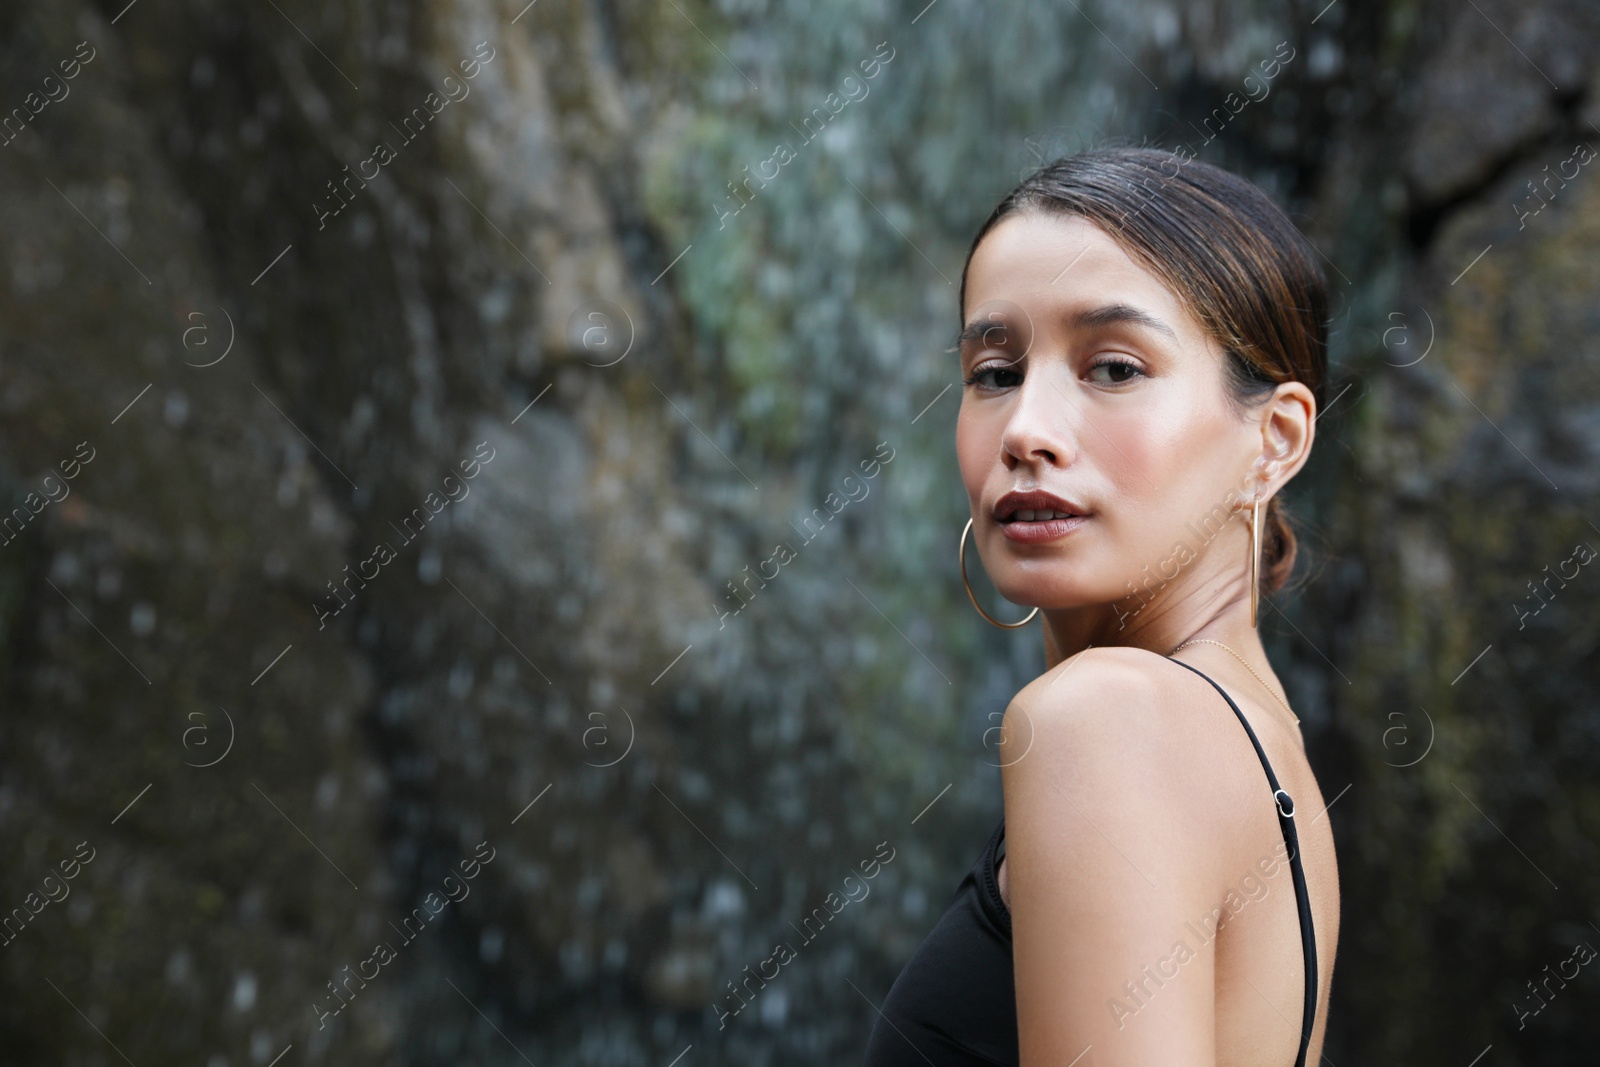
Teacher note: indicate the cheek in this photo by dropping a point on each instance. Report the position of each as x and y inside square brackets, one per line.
[1128, 449]
[976, 446]
[1127, 444]
[1148, 460]
[1172, 433]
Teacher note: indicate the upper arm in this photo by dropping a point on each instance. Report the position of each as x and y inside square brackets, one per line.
[1108, 864]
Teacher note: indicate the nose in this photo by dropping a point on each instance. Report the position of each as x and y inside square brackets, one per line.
[1039, 430]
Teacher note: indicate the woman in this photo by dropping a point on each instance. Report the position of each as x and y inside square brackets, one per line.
[1143, 347]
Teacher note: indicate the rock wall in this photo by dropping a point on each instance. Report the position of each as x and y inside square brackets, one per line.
[437, 390]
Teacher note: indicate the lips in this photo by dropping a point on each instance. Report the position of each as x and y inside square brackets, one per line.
[1035, 506]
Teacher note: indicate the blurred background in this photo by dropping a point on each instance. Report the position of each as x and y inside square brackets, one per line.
[400, 400]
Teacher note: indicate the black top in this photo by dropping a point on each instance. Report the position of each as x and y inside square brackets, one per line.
[954, 1004]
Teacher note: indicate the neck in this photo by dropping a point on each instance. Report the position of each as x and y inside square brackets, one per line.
[1215, 611]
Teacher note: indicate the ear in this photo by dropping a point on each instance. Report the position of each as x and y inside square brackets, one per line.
[1288, 422]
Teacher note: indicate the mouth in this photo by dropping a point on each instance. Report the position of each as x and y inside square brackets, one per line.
[1037, 517]
[1035, 506]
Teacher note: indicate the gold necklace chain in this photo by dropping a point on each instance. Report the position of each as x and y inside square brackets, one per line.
[1241, 659]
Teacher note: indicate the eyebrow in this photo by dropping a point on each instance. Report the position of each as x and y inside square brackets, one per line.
[1105, 315]
[1111, 314]
[978, 329]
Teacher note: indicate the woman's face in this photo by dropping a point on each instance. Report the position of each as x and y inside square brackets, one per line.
[1094, 384]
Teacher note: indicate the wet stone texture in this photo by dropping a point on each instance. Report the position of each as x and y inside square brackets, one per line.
[448, 545]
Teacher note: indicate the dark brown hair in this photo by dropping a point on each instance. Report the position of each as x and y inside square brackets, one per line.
[1229, 254]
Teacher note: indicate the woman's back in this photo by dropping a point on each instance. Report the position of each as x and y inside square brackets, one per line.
[1259, 959]
[1248, 930]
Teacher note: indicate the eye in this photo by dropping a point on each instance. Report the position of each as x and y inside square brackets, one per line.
[982, 376]
[1118, 372]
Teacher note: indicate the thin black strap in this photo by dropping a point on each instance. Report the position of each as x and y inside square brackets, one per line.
[1285, 804]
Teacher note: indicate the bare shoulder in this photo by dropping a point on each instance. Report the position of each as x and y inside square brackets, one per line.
[1111, 734]
[1116, 695]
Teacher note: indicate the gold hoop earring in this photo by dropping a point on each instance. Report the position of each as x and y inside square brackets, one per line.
[1255, 558]
[961, 558]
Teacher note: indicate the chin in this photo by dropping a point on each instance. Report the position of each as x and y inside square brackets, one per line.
[1033, 592]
